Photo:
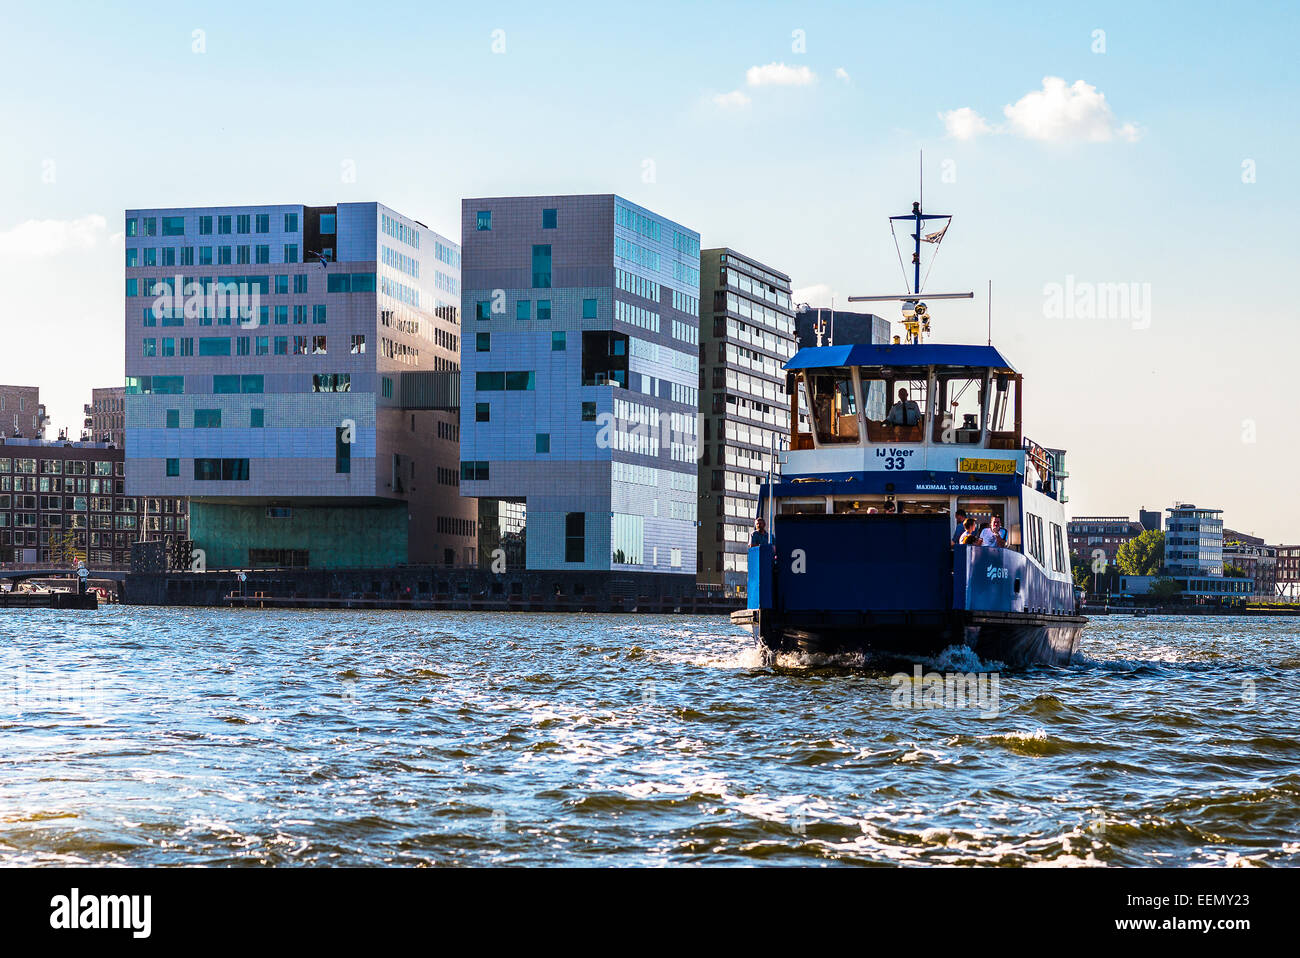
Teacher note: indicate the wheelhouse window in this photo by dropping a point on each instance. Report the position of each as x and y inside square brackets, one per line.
[961, 407]
[897, 403]
[1004, 411]
[834, 404]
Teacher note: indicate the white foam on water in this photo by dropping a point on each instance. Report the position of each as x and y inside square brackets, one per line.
[961, 658]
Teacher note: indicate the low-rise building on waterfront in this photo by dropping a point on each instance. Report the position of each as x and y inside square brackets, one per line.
[1256, 559]
[1090, 534]
[62, 501]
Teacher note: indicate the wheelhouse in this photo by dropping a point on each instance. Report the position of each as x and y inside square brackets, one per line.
[919, 394]
[916, 430]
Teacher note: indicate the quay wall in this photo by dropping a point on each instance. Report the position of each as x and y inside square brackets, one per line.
[429, 587]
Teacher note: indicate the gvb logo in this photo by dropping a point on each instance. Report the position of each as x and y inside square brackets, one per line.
[75, 911]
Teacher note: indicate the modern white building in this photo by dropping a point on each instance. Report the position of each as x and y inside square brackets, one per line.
[291, 371]
[581, 382]
[1193, 541]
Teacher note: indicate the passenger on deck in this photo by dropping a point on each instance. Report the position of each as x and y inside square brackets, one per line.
[759, 536]
[905, 412]
[970, 537]
[994, 535]
[961, 526]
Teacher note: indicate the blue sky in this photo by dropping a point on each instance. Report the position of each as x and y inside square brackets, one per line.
[1135, 176]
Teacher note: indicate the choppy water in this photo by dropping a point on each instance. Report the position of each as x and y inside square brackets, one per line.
[150, 737]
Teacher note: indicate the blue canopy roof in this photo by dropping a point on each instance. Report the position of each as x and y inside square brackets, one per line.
[885, 354]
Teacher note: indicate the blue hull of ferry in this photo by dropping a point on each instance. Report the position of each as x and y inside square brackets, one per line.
[893, 586]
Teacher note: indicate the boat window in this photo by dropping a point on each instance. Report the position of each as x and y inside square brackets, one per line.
[1002, 412]
[834, 405]
[923, 507]
[863, 505]
[982, 510]
[1059, 561]
[896, 404]
[961, 407]
[801, 507]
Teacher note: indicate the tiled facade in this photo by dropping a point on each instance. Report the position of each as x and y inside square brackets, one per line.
[21, 413]
[61, 501]
[296, 403]
[747, 332]
[580, 387]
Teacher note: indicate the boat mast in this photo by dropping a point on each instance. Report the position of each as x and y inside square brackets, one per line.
[916, 317]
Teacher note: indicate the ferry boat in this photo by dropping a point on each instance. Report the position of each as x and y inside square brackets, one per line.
[859, 553]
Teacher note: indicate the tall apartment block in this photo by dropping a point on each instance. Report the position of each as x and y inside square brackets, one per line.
[22, 414]
[580, 387]
[747, 332]
[291, 371]
[105, 416]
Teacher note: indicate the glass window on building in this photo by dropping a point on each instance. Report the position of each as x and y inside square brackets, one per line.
[173, 468]
[483, 342]
[328, 224]
[575, 537]
[543, 442]
[627, 539]
[482, 412]
[523, 309]
[541, 266]
[483, 220]
[588, 412]
[342, 450]
[256, 418]
[543, 309]
[549, 219]
[559, 341]
[589, 309]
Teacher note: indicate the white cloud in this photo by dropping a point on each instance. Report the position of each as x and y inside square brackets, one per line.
[51, 237]
[1060, 112]
[735, 100]
[964, 123]
[842, 74]
[819, 294]
[778, 74]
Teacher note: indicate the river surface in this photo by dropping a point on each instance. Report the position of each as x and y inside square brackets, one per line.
[227, 737]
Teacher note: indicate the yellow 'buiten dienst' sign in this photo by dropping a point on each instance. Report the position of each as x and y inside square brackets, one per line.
[1004, 466]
